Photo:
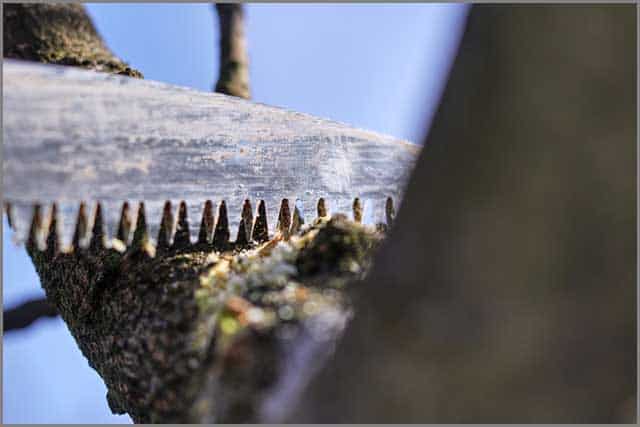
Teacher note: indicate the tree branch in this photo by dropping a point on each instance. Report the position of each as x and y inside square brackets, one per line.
[196, 335]
[27, 313]
[58, 34]
[233, 77]
[506, 291]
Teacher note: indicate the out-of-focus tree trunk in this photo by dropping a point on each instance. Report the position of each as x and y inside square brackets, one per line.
[57, 34]
[233, 77]
[507, 289]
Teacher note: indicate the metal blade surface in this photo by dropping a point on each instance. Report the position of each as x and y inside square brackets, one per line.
[72, 135]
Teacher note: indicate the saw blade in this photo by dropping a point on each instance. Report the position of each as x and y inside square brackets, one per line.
[174, 231]
[72, 136]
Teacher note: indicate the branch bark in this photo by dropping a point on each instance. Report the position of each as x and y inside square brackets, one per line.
[233, 77]
[27, 313]
[200, 335]
[57, 34]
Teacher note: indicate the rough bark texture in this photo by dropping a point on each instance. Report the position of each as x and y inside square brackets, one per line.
[57, 34]
[233, 78]
[196, 335]
[507, 290]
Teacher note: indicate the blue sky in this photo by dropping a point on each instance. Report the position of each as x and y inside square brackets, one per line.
[380, 67]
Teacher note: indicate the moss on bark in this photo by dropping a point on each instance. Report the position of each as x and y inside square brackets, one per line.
[196, 336]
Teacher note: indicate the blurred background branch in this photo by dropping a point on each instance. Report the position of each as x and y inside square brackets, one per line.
[27, 313]
[233, 77]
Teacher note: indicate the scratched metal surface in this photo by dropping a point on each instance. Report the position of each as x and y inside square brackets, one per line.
[72, 135]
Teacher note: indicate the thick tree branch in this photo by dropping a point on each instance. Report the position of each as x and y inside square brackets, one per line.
[197, 335]
[27, 313]
[57, 34]
[233, 77]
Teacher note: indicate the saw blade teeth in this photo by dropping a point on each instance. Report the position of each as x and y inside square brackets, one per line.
[80, 232]
[221, 233]
[260, 232]
[46, 229]
[53, 236]
[322, 208]
[241, 239]
[206, 224]
[284, 218]
[390, 212]
[181, 238]
[124, 225]
[9, 212]
[247, 217]
[165, 232]
[297, 221]
[35, 231]
[357, 210]
[140, 234]
[98, 237]
[246, 223]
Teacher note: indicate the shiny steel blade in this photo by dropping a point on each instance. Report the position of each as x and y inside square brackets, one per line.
[71, 135]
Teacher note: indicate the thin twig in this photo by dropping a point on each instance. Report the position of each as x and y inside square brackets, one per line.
[25, 314]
